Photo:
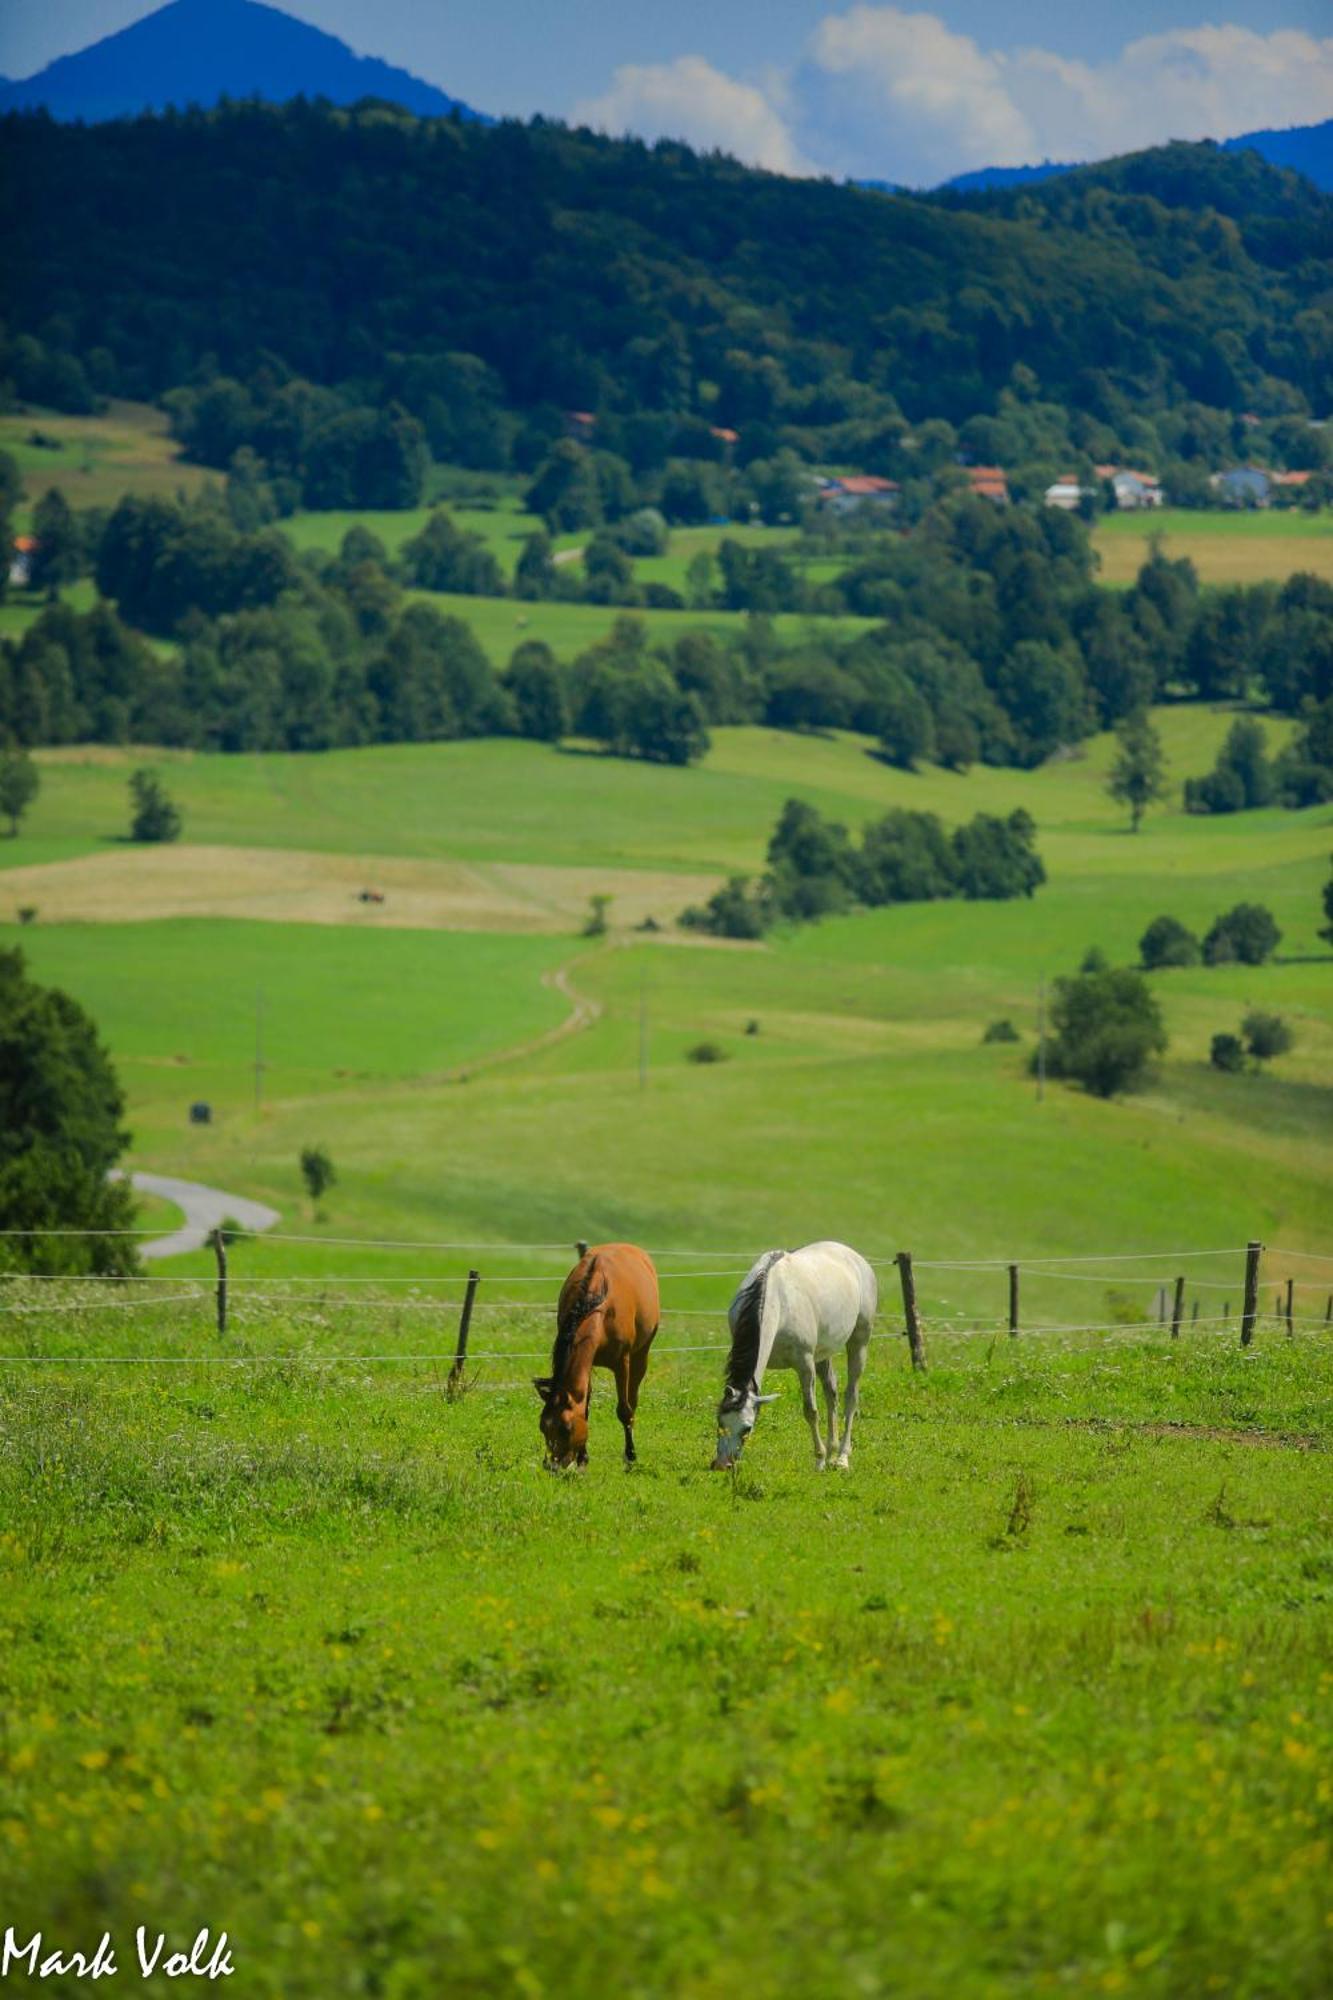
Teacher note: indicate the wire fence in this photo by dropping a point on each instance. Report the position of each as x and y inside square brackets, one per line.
[251, 1306]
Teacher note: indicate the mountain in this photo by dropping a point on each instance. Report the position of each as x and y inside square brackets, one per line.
[1306, 149]
[197, 51]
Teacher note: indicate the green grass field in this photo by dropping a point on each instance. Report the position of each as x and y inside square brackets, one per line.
[1225, 547]
[95, 461]
[1034, 1699]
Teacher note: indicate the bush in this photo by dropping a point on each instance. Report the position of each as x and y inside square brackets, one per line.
[1166, 942]
[1106, 1028]
[706, 1052]
[155, 817]
[731, 912]
[1242, 777]
[1001, 1031]
[1248, 933]
[1266, 1035]
[1227, 1053]
[317, 1171]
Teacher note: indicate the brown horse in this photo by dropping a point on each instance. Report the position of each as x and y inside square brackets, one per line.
[607, 1318]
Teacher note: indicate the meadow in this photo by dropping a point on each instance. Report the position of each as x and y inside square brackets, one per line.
[1226, 547]
[1034, 1699]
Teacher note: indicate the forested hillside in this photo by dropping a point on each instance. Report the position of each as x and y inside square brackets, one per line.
[367, 251]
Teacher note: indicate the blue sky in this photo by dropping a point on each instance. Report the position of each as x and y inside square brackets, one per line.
[910, 92]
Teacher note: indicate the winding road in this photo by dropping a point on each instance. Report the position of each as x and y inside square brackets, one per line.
[204, 1208]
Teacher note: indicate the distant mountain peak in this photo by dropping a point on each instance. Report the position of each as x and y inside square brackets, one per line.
[196, 51]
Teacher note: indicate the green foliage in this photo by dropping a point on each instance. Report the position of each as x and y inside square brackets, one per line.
[595, 924]
[706, 1052]
[1106, 1027]
[1138, 775]
[59, 556]
[1001, 1031]
[1246, 933]
[443, 557]
[60, 1134]
[1227, 1052]
[19, 785]
[1168, 942]
[1266, 1035]
[534, 685]
[1242, 777]
[154, 816]
[733, 911]
[317, 1171]
[1304, 771]
[1326, 895]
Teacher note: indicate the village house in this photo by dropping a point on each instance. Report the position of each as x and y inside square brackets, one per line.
[1067, 493]
[22, 552]
[857, 490]
[1133, 490]
[1242, 486]
[988, 482]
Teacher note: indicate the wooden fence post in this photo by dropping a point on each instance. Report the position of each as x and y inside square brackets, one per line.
[1194, 1312]
[219, 1242]
[1328, 1309]
[1177, 1308]
[1290, 1328]
[1013, 1301]
[1251, 1305]
[464, 1322]
[904, 1263]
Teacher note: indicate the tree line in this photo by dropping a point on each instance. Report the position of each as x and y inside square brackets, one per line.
[506, 275]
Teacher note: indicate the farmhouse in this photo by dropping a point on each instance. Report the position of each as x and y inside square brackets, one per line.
[988, 482]
[22, 552]
[1133, 490]
[856, 491]
[1066, 493]
[1243, 486]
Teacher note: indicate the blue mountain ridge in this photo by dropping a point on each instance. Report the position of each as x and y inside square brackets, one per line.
[197, 51]
[1307, 149]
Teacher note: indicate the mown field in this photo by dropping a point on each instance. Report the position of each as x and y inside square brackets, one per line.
[1244, 546]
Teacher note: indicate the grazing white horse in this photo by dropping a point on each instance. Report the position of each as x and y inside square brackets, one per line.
[795, 1309]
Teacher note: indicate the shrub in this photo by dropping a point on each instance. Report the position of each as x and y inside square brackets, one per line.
[317, 1171]
[1001, 1031]
[595, 923]
[1106, 1028]
[155, 816]
[1266, 1035]
[1227, 1053]
[1167, 942]
[1241, 778]
[731, 912]
[1247, 933]
[706, 1052]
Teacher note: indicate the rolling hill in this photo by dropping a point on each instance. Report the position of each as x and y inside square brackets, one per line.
[1305, 149]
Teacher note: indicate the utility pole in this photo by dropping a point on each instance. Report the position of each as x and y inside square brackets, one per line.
[1041, 1039]
[259, 1049]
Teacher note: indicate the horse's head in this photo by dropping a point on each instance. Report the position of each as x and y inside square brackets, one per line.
[736, 1414]
[564, 1423]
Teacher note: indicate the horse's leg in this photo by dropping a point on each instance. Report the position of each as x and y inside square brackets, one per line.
[851, 1402]
[626, 1396]
[824, 1369]
[805, 1370]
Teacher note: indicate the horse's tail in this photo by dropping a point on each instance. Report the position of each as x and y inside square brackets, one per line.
[747, 1318]
[591, 1293]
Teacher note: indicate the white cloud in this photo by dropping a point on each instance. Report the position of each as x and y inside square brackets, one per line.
[689, 99]
[884, 93]
[915, 101]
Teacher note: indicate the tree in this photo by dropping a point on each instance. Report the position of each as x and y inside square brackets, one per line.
[1247, 933]
[1326, 930]
[59, 555]
[155, 815]
[19, 785]
[537, 692]
[317, 1171]
[1167, 942]
[1227, 1053]
[1105, 1029]
[444, 557]
[1242, 777]
[995, 858]
[1266, 1035]
[733, 911]
[60, 1135]
[1138, 775]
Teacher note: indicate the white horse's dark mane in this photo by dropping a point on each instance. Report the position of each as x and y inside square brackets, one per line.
[749, 1312]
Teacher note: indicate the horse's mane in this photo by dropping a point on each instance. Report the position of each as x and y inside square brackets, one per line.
[572, 1314]
[749, 1314]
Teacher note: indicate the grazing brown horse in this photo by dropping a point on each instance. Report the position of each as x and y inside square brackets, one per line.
[606, 1318]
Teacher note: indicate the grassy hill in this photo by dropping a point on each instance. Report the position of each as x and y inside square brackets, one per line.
[865, 1105]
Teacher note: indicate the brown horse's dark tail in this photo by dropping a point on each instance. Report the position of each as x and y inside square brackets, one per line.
[591, 1294]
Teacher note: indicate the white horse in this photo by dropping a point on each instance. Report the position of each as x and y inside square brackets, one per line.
[795, 1309]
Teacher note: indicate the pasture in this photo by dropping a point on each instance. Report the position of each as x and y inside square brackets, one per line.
[96, 461]
[1225, 546]
[1035, 1699]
